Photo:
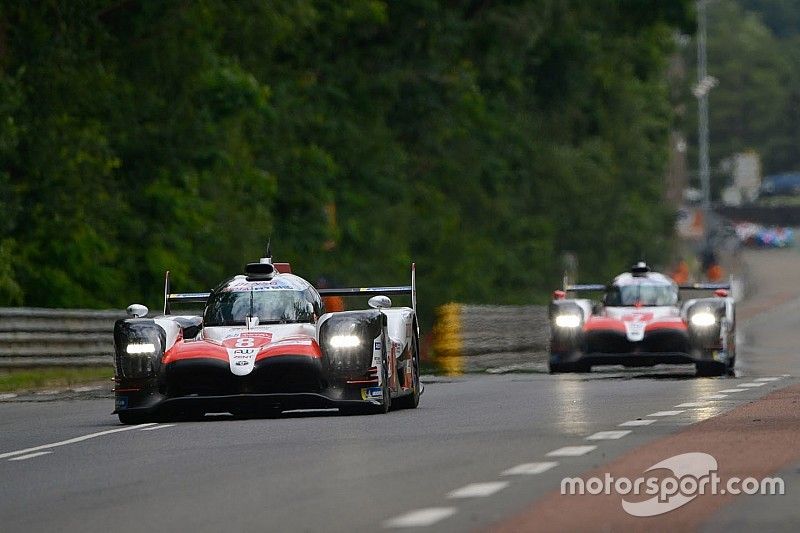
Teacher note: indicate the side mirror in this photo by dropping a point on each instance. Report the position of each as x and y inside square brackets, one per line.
[137, 310]
[721, 293]
[559, 295]
[380, 302]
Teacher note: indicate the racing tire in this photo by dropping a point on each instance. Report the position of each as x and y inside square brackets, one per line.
[711, 369]
[411, 401]
[133, 419]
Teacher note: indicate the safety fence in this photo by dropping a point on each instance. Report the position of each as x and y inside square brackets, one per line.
[35, 337]
[469, 338]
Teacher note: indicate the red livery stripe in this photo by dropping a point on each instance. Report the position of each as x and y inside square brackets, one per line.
[604, 323]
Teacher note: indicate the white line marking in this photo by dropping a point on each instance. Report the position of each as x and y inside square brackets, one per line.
[85, 389]
[729, 391]
[692, 404]
[421, 517]
[751, 385]
[160, 426]
[609, 435]
[665, 413]
[635, 423]
[571, 451]
[766, 379]
[29, 456]
[73, 441]
[714, 397]
[529, 469]
[478, 490]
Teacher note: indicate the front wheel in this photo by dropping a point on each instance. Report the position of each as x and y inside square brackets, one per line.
[411, 401]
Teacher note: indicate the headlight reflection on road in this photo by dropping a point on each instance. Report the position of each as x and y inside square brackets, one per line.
[570, 394]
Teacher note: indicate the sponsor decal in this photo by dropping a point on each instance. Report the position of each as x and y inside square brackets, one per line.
[372, 393]
[247, 340]
[673, 483]
[265, 285]
[377, 345]
[121, 402]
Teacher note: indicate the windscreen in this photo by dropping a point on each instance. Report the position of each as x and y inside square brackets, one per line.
[646, 294]
[228, 308]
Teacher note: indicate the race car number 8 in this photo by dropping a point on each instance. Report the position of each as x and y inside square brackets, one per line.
[245, 342]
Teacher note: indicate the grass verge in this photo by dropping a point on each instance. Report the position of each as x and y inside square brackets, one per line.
[12, 380]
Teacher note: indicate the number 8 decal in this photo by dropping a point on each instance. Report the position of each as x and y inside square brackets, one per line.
[245, 342]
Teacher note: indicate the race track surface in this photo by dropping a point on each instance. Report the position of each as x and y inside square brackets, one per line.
[480, 451]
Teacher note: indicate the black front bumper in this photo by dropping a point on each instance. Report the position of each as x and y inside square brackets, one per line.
[234, 402]
[208, 385]
[641, 359]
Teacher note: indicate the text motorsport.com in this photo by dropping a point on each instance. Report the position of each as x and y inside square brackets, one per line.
[693, 474]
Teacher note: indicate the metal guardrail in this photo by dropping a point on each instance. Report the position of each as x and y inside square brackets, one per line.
[475, 337]
[31, 337]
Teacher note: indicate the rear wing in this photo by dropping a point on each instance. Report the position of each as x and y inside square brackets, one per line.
[181, 298]
[367, 291]
[201, 297]
[691, 287]
[585, 288]
[705, 287]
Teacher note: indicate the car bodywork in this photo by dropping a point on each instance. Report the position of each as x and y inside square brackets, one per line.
[265, 344]
[641, 321]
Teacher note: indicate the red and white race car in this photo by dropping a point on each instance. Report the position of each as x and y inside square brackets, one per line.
[642, 322]
[265, 344]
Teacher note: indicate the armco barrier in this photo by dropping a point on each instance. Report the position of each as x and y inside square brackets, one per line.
[477, 337]
[31, 337]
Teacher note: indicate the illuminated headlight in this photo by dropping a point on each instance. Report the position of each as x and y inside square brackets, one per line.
[704, 319]
[141, 348]
[568, 321]
[344, 341]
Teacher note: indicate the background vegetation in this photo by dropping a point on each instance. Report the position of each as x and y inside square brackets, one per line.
[754, 52]
[478, 138]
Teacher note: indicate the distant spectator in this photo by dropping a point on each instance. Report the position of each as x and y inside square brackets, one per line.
[333, 304]
[681, 273]
[711, 266]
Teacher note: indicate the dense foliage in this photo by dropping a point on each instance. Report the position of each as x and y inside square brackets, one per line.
[479, 138]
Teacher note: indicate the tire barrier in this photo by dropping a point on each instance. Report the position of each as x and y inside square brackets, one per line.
[469, 338]
[36, 337]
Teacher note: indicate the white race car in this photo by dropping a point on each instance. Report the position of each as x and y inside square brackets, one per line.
[642, 322]
[265, 344]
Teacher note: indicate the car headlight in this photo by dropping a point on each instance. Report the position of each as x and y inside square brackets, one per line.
[139, 348]
[345, 341]
[703, 319]
[568, 321]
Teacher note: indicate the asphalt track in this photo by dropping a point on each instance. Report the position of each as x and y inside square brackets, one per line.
[454, 464]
